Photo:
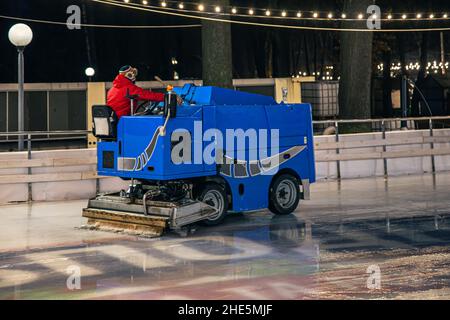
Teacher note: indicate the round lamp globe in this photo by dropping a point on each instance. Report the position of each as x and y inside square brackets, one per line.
[90, 72]
[20, 35]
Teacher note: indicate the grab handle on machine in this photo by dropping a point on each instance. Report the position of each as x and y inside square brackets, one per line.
[132, 98]
[162, 130]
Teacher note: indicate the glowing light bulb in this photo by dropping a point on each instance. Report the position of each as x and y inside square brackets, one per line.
[404, 16]
[90, 72]
[201, 7]
[234, 10]
[251, 11]
[181, 6]
[389, 16]
[163, 4]
[360, 16]
[330, 15]
[343, 16]
[268, 13]
[419, 15]
[315, 14]
[299, 14]
[284, 13]
[217, 9]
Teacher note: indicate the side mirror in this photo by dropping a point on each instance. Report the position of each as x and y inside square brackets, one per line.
[170, 103]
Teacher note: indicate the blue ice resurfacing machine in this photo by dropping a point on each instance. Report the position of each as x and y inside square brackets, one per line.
[221, 151]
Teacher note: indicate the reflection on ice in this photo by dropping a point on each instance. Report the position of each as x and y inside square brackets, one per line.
[321, 251]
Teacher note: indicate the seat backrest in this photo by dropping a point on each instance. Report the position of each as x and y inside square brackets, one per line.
[103, 111]
[104, 122]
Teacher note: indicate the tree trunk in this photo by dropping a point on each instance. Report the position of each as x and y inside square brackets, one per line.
[322, 53]
[416, 98]
[315, 54]
[356, 67]
[402, 53]
[387, 85]
[216, 51]
[306, 55]
[250, 47]
[268, 49]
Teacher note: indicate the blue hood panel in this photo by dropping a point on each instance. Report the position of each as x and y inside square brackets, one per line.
[220, 96]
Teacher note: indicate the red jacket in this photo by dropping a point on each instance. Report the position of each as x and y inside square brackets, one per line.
[117, 95]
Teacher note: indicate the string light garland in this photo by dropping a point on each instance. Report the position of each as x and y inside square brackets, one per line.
[206, 14]
[283, 13]
[434, 67]
[106, 26]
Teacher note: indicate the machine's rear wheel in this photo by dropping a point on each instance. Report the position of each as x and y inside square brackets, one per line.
[284, 194]
[214, 195]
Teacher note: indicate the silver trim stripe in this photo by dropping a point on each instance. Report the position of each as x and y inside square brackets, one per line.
[258, 167]
[139, 163]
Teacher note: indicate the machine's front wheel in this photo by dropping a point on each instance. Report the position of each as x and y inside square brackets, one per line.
[284, 194]
[214, 195]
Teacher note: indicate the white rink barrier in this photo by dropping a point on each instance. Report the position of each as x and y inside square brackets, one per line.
[71, 174]
[368, 154]
[54, 175]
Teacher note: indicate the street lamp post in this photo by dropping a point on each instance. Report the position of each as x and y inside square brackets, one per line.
[20, 35]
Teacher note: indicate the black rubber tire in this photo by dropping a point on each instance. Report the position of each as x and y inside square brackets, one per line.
[219, 191]
[274, 202]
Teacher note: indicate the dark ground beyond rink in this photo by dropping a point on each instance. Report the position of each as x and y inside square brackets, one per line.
[364, 238]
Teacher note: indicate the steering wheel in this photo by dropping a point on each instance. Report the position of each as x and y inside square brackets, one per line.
[142, 105]
[148, 106]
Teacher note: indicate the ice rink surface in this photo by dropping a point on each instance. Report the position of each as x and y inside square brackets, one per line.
[363, 238]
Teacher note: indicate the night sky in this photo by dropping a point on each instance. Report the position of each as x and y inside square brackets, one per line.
[61, 55]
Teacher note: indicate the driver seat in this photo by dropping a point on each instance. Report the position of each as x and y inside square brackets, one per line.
[104, 122]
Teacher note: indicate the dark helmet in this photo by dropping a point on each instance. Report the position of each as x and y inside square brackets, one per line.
[129, 72]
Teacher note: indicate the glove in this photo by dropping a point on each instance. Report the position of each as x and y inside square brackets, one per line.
[179, 100]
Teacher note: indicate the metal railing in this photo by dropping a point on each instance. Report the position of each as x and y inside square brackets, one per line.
[68, 135]
[50, 136]
[382, 121]
[28, 139]
[42, 136]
